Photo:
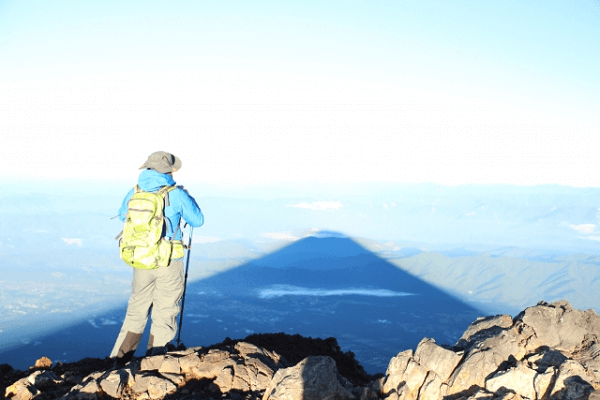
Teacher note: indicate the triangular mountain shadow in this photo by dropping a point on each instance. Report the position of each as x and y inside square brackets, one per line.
[318, 287]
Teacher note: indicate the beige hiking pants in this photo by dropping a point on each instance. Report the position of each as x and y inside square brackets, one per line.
[159, 290]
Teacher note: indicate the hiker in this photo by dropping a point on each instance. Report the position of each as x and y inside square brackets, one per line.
[156, 287]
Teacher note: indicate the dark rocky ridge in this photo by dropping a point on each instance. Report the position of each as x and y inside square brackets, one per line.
[550, 351]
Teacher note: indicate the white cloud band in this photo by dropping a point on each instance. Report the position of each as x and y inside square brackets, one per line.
[286, 290]
[584, 228]
[319, 205]
[70, 241]
[280, 236]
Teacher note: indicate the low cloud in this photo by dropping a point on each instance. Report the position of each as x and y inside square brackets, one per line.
[280, 236]
[584, 228]
[319, 205]
[286, 290]
[206, 239]
[325, 234]
[71, 241]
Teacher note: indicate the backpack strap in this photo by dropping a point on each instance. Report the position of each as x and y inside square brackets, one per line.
[175, 233]
[164, 192]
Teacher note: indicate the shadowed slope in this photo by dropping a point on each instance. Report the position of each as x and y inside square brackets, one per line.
[326, 287]
[318, 287]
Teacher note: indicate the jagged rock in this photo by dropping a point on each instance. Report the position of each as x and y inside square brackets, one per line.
[22, 389]
[595, 395]
[572, 382]
[87, 390]
[152, 363]
[433, 387]
[166, 364]
[547, 358]
[295, 348]
[29, 387]
[436, 358]
[414, 377]
[543, 382]
[42, 363]
[559, 326]
[548, 351]
[178, 380]
[394, 376]
[507, 343]
[156, 387]
[250, 370]
[371, 391]
[482, 394]
[259, 367]
[116, 381]
[169, 365]
[473, 371]
[45, 378]
[314, 378]
[210, 365]
[519, 379]
[483, 328]
[406, 376]
[188, 362]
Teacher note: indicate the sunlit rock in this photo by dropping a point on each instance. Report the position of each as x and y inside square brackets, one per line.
[314, 378]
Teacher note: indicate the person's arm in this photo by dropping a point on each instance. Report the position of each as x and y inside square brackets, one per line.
[190, 211]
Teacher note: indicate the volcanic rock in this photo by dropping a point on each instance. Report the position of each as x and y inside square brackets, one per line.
[547, 352]
[312, 378]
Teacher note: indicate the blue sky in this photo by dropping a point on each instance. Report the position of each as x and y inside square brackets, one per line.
[270, 92]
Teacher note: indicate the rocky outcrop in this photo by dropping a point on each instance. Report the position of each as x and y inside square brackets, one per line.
[312, 378]
[244, 368]
[550, 351]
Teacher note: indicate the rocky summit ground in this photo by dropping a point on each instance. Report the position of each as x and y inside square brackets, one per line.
[547, 352]
[293, 348]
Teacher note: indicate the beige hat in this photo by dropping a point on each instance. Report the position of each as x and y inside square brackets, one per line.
[162, 162]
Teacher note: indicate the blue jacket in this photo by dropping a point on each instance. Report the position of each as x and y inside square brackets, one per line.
[181, 204]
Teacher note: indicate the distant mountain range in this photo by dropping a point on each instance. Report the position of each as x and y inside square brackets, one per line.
[555, 219]
[505, 284]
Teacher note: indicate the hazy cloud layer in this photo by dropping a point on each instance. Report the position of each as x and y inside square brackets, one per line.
[74, 241]
[206, 239]
[280, 236]
[319, 205]
[286, 290]
[584, 228]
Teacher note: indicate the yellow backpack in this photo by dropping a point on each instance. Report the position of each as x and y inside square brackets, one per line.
[144, 244]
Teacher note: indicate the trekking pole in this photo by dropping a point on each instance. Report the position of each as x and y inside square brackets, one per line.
[187, 266]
